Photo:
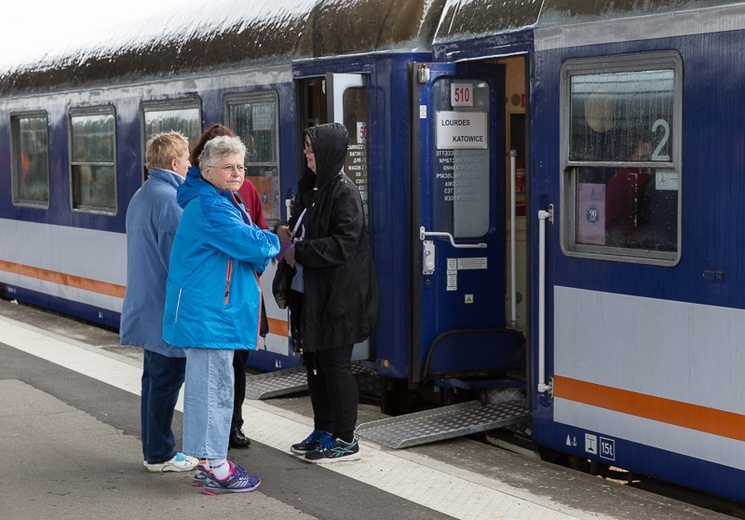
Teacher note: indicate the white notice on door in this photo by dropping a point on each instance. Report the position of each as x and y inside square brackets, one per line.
[461, 130]
[472, 263]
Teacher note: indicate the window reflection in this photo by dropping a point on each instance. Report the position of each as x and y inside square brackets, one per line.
[621, 138]
[188, 121]
[93, 171]
[31, 160]
[254, 120]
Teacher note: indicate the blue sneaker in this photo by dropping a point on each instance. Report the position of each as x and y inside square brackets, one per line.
[334, 450]
[311, 442]
[200, 476]
[238, 482]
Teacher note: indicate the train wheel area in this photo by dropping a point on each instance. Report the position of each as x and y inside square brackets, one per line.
[72, 419]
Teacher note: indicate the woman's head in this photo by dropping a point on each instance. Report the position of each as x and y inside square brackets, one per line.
[168, 151]
[213, 131]
[325, 148]
[222, 162]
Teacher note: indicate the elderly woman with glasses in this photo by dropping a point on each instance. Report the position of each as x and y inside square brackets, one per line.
[213, 304]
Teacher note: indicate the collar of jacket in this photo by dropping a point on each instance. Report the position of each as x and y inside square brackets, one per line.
[168, 176]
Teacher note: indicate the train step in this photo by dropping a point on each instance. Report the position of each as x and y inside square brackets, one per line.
[442, 423]
[288, 381]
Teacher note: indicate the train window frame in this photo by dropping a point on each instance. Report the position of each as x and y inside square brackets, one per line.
[187, 103]
[18, 167]
[663, 165]
[89, 206]
[247, 98]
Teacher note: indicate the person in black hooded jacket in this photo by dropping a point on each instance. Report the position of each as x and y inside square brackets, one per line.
[339, 302]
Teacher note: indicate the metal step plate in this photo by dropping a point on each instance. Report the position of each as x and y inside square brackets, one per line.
[285, 382]
[442, 423]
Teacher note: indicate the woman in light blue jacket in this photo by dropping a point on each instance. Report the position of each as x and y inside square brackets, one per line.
[213, 304]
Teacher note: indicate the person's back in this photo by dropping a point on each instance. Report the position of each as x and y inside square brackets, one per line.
[152, 219]
[151, 222]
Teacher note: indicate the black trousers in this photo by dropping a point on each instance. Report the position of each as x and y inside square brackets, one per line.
[334, 393]
[239, 369]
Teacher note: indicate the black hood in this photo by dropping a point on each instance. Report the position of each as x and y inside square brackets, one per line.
[329, 143]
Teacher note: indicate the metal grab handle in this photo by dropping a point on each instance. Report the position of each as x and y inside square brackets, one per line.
[424, 234]
[543, 385]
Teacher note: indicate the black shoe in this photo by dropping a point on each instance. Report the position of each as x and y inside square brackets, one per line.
[238, 440]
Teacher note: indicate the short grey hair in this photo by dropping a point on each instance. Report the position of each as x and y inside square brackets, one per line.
[219, 147]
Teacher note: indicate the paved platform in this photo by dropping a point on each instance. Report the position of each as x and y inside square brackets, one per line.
[69, 431]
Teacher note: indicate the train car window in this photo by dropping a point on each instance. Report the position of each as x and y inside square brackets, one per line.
[621, 134]
[185, 119]
[254, 117]
[467, 168]
[92, 160]
[30, 160]
[181, 115]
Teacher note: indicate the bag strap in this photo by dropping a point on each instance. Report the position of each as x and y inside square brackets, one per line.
[299, 220]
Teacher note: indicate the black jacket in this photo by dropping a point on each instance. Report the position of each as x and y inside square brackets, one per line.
[340, 302]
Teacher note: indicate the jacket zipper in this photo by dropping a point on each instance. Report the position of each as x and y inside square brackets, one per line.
[227, 281]
[178, 304]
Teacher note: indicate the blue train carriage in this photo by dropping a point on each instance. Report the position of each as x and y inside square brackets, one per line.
[637, 149]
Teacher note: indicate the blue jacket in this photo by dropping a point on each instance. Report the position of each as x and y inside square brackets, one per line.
[213, 298]
[152, 219]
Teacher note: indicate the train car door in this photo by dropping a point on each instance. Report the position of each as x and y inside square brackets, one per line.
[458, 247]
[347, 104]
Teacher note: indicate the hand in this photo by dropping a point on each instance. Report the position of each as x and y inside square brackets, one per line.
[283, 232]
[290, 255]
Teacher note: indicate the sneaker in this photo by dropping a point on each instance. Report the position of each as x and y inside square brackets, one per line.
[179, 462]
[311, 442]
[334, 450]
[238, 482]
[200, 476]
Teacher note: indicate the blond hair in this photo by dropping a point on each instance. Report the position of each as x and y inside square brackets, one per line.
[164, 148]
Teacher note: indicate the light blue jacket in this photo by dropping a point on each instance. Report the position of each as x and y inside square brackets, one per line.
[213, 298]
[152, 219]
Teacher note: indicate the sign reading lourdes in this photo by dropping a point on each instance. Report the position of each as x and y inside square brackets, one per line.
[461, 130]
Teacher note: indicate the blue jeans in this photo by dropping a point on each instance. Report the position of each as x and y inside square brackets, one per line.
[162, 377]
[208, 402]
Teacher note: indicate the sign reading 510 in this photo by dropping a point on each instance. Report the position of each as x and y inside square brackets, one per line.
[461, 94]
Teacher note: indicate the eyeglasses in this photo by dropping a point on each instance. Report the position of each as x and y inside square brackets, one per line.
[230, 168]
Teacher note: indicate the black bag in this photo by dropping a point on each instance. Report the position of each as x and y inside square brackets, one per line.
[281, 283]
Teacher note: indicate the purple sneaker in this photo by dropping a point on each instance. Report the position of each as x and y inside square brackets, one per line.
[238, 482]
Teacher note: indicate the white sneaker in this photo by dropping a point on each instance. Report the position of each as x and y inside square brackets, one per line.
[179, 462]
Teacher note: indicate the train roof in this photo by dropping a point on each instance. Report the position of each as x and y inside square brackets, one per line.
[230, 33]
[236, 32]
[464, 19]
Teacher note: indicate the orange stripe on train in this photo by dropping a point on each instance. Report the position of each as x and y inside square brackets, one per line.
[686, 415]
[278, 327]
[65, 279]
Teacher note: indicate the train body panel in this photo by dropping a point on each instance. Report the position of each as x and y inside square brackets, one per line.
[642, 350]
[486, 143]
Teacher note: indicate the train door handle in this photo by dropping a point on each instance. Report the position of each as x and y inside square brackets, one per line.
[428, 257]
[423, 233]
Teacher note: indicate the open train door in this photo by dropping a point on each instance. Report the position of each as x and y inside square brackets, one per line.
[347, 104]
[458, 215]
